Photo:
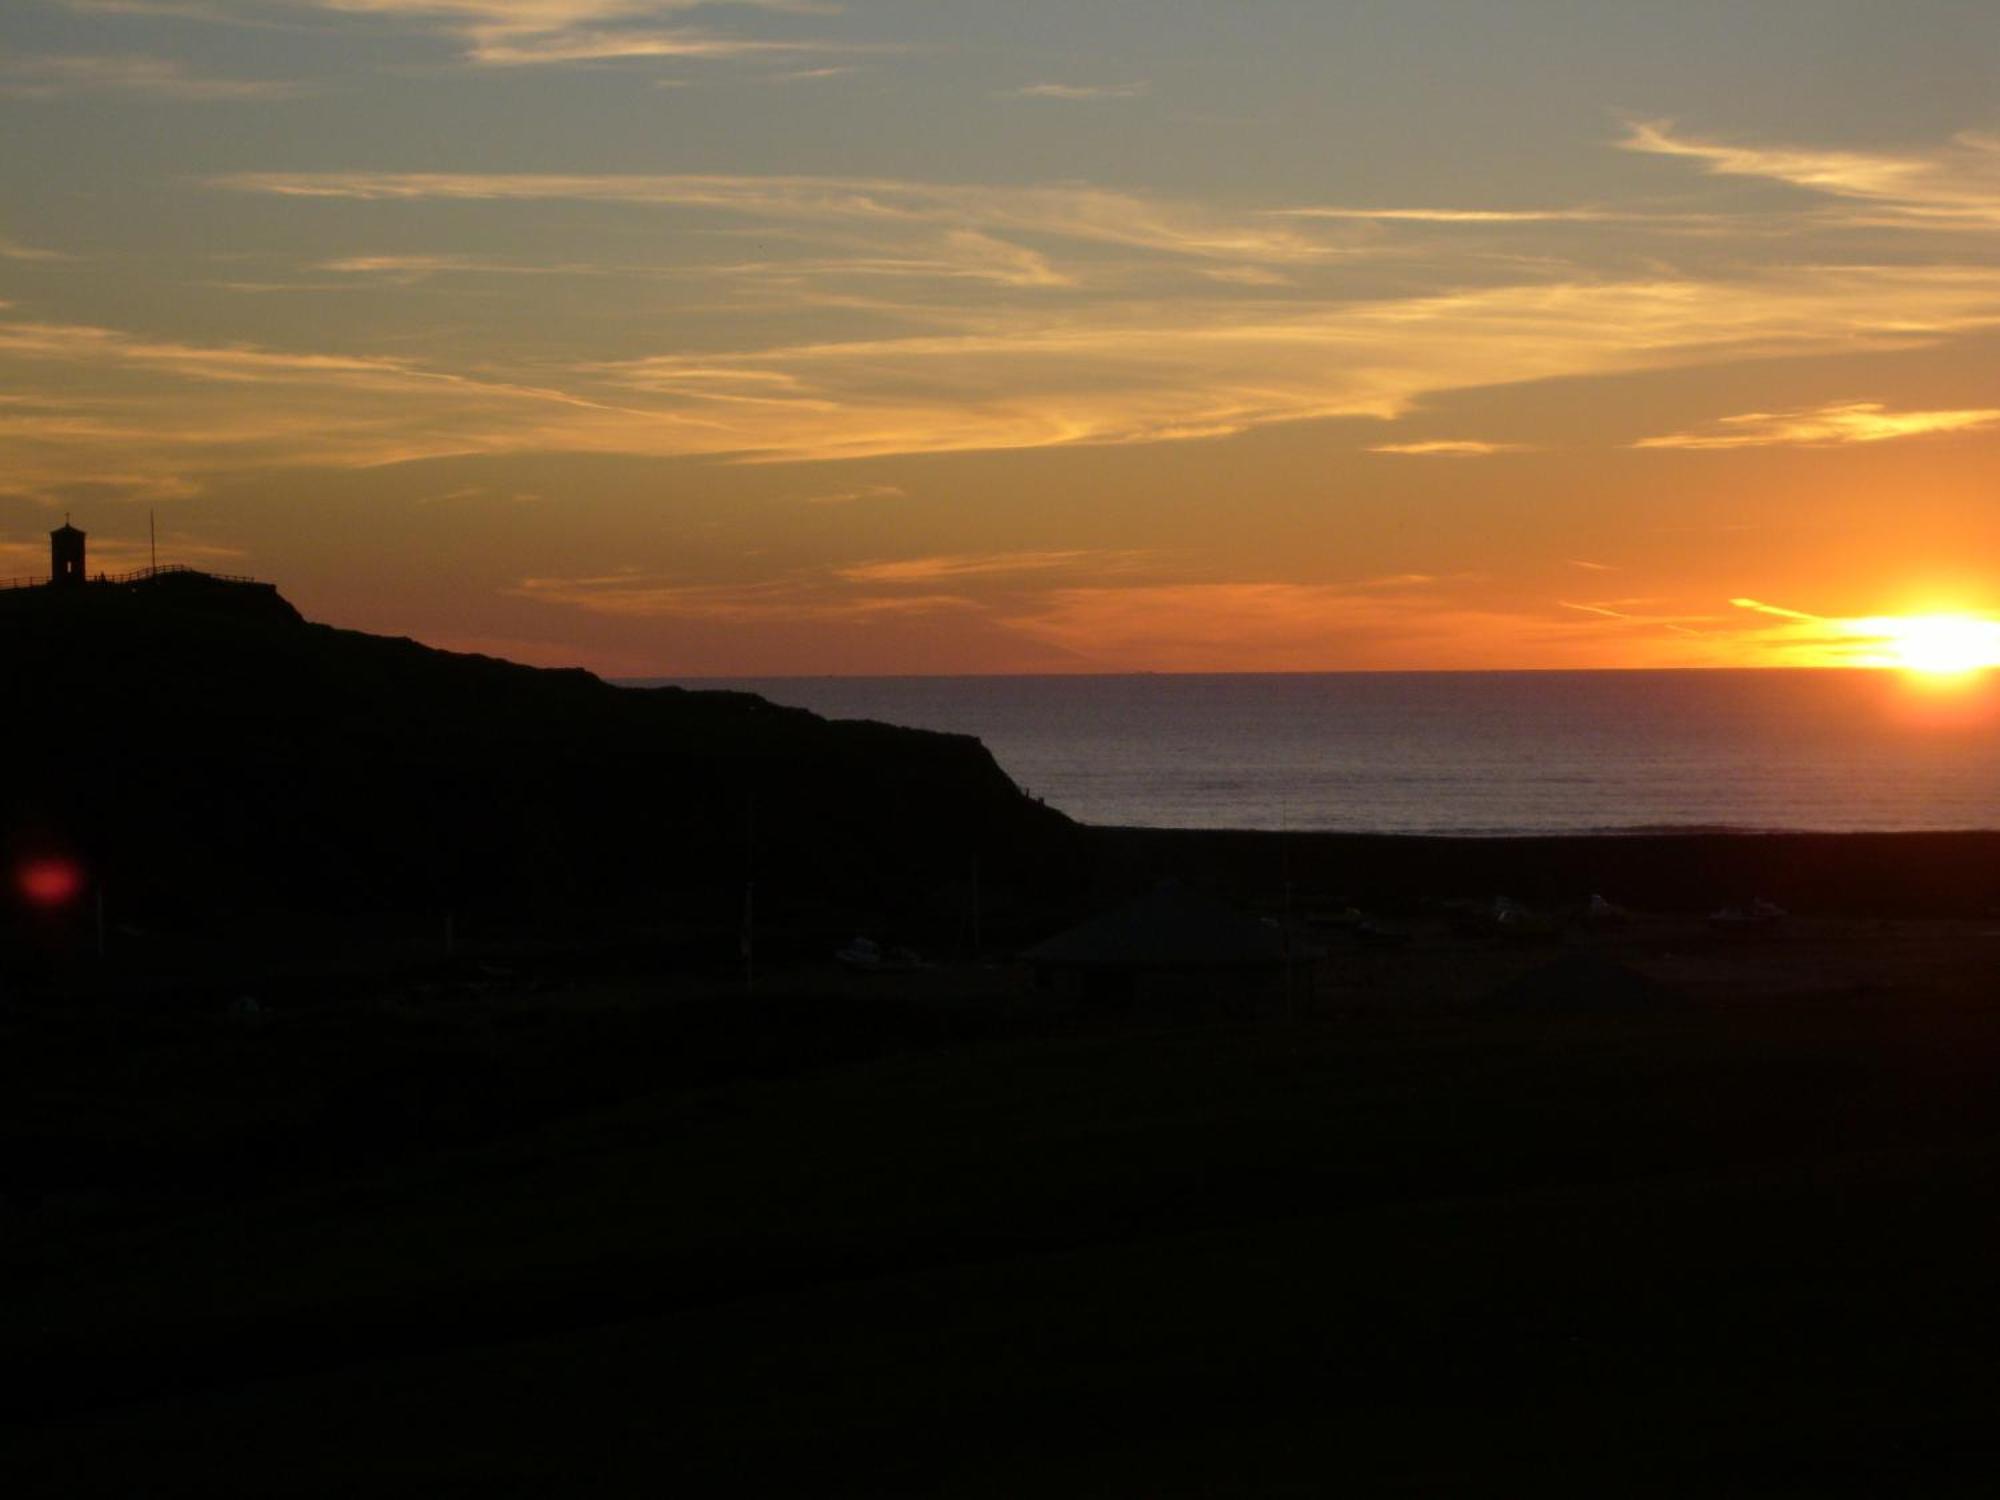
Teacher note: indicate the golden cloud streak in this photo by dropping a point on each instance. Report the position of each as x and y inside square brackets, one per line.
[517, 33]
[1757, 606]
[1449, 448]
[1189, 369]
[1134, 372]
[989, 564]
[1926, 642]
[1832, 426]
[799, 599]
[1482, 216]
[1302, 627]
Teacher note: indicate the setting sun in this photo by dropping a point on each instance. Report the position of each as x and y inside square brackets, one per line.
[1939, 645]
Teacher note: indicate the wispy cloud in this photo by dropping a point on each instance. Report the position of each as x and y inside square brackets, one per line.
[162, 411]
[1956, 184]
[520, 33]
[12, 249]
[157, 77]
[233, 363]
[1644, 615]
[1449, 448]
[987, 564]
[1794, 637]
[1062, 315]
[1757, 606]
[808, 75]
[1137, 370]
[797, 598]
[1263, 276]
[947, 255]
[951, 255]
[1078, 92]
[1836, 425]
[1092, 617]
[518, 49]
[213, 11]
[1290, 626]
[1139, 623]
[414, 268]
[1188, 369]
[1134, 372]
[849, 494]
[1079, 213]
[1473, 216]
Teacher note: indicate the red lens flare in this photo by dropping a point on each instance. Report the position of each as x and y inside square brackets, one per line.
[50, 882]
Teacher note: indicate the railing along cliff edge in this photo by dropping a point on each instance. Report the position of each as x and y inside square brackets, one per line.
[139, 575]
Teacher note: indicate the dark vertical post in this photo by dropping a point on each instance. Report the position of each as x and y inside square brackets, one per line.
[1291, 965]
[750, 896]
[977, 945]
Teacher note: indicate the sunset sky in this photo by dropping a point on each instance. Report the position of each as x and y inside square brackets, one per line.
[670, 338]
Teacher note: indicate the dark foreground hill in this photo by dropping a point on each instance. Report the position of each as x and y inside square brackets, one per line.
[1403, 1241]
[201, 749]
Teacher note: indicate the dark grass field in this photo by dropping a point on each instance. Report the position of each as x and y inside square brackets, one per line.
[938, 1237]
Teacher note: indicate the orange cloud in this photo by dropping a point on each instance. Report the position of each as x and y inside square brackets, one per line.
[797, 598]
[1832, 426]
[1449, 448]
[1300, 627]
[1926, 641]
[1128, 372]
[991, 564]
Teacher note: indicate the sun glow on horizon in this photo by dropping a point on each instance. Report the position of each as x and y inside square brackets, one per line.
[1933, 645]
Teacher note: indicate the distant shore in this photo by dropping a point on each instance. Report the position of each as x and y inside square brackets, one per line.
[1833, 874]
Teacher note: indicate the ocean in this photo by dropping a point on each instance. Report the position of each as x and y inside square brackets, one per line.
[1469, 753]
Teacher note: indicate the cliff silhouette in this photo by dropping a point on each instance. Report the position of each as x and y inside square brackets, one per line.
[202, 749]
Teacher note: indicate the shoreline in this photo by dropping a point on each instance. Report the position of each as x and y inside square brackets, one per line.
[1832, 874]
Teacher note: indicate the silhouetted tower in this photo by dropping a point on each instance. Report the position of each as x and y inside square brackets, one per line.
[65, 556]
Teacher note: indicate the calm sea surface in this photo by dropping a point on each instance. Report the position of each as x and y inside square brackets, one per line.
[1471, 752]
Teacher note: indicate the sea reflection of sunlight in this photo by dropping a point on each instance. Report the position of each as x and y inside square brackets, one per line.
[1937, 699]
